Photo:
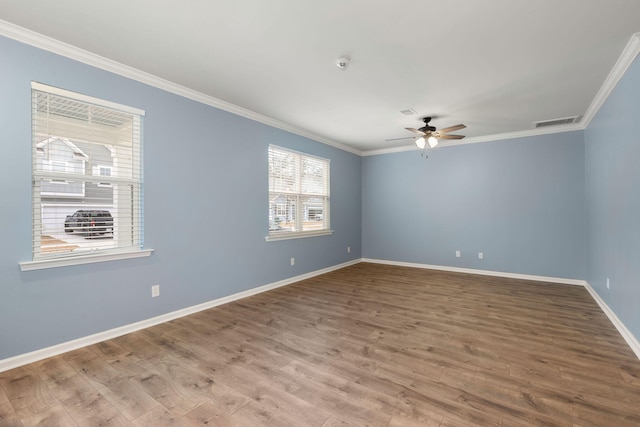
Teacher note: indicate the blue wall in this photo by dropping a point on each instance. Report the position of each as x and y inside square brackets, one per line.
[206, 202]
[612, 154]
[519, 201]
[524, 202]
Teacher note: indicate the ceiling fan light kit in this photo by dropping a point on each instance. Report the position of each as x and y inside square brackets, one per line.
[422, 142]
[429, 134]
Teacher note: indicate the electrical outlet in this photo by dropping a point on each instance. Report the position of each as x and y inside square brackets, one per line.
[480, 255]
[293, 261]
[348, 249]
[608, 284]
[155, 291]
[457, 254]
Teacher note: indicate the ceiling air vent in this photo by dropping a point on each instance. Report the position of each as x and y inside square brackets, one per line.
[555, 122]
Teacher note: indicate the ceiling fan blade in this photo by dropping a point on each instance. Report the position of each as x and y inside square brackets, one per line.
[397, 139]
[451, 136]
[452, 128]
[419, 132]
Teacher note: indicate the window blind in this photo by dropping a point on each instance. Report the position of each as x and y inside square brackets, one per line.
[298, 192]
[87, 174]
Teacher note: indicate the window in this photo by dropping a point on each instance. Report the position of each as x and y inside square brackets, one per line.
[87, 178]
[298, 194]
[103, 171]
[51, 160]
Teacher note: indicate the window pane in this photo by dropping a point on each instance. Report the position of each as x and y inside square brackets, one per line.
[313, 176]
[298, 192]
[283, 171]
[282, 212]
[314, 209]
[87, 181]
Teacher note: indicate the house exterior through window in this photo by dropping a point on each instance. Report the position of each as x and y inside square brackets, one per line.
[87, 175]
[298, 194]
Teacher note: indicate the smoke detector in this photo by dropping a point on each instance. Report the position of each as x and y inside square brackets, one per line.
[343, 62]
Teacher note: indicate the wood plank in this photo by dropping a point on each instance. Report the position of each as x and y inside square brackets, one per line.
[161, 417]
[125, 395]
[175, 399]
[8, 415]
[210, 414]
[55, 415]
[202, 384]
[26, 392]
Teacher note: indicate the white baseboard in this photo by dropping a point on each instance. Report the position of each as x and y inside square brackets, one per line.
[631, 340]
[481, 272]
[626, 333]
[34, 356]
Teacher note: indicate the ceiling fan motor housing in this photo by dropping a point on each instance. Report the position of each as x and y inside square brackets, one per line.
[429, 132]
[427, 128]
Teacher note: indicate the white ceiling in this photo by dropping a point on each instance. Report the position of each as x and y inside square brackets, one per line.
[495, 65]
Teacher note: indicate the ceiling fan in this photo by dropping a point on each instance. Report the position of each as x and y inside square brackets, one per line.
[429, 134]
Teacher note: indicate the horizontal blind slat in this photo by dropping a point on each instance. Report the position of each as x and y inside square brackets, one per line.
[86, 175]
[298, 191]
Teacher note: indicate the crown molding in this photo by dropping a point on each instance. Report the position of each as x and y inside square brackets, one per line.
[487, 138]
[40, 41]
[621, 66]
[49, 44]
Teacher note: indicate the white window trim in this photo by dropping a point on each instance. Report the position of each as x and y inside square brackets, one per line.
[97, 168]
[85, 98]
[288, 235]
[96, 172]
[41, 264]
[274, 236]
[103, 255]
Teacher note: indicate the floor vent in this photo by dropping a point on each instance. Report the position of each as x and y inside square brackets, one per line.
[555, 122]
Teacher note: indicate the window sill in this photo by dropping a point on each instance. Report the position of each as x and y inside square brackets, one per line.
[83, 259]
[296, 235]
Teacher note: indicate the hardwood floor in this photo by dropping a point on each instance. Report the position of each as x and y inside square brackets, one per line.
[368, 345]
